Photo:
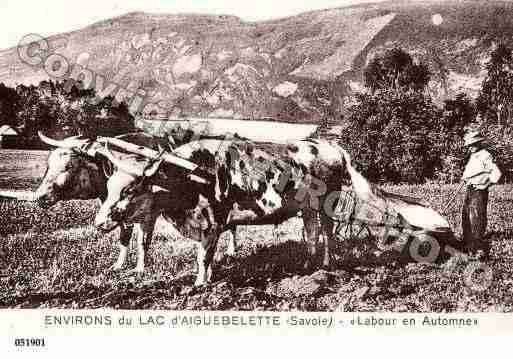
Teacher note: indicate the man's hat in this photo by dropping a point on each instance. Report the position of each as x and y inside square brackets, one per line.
[472, 137]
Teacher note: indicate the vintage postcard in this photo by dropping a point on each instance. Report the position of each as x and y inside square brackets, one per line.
[195, 168]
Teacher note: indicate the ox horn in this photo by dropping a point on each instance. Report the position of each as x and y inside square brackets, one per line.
[123, 165]
[149, 153]
[70, 142]
[346, 156]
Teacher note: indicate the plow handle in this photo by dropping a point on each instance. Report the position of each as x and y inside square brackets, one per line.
[451, 200]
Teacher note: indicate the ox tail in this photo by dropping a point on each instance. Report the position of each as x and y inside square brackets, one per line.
[361, 186]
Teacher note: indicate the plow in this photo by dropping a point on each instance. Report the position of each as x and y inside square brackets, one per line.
[359, 220]
[364, 210]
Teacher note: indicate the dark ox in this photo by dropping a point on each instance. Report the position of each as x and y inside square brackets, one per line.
[78, 169]
[235, 183]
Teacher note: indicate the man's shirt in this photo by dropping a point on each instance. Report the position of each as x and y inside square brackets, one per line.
[481, 171]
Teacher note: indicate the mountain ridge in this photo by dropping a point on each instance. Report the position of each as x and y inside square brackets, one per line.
[303, 67]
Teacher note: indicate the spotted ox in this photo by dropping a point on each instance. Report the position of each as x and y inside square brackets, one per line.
[228, 184]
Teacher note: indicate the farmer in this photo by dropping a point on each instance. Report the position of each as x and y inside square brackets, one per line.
[480, 173]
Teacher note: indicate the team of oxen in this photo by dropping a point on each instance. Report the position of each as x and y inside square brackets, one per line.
[209, 186]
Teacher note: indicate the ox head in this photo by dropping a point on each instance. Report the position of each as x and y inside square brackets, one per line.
[130, 195]
[128, 192]
[70, 171]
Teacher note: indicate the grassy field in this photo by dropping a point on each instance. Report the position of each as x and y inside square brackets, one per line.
[21, 169]
[56, 258]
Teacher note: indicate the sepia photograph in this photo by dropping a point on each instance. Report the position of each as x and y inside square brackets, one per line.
[335, 156]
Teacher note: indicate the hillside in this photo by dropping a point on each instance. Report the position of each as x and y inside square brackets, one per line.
[298, 68]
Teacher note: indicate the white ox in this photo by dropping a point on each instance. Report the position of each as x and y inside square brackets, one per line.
[78, 169]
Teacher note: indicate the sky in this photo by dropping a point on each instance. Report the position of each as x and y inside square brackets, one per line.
[50, 17]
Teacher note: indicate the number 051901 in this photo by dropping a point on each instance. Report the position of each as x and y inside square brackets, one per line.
[29, 342]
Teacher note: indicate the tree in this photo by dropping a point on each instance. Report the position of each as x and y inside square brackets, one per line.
[113, 118]
[441, 71]
[458, 114]
[395, 136]
[395, 70]
[396, 132]
[495, 100]
[9, 103]
[32, 114]
[67, 109]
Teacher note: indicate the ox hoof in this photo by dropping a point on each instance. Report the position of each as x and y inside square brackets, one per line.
[230, 252]
[115, 268]
[136, 272]
[230, 260]
[200, 283]
[202, 280]
[308, 264]
[218, 257]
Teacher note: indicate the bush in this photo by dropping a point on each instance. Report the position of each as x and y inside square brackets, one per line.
[500, 139]
[402, 137]
[395, 69]
[62, 109]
